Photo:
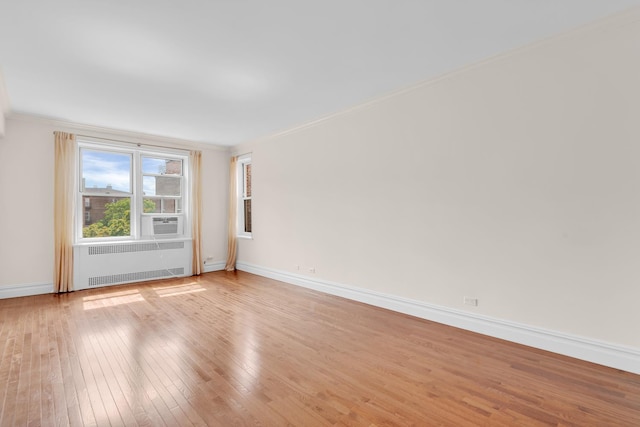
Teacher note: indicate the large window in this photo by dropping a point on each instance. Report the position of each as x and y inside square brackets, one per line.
[129, 193]
[244, 196]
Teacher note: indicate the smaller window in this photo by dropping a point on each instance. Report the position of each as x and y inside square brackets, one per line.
[244, 195]
[87, 218]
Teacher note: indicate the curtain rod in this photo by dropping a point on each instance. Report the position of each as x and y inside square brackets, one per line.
[138, 144]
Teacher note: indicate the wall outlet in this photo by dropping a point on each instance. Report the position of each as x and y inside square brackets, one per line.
[312, 270]
[470, 301]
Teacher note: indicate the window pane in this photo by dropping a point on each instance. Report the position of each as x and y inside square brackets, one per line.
[106, 173]
[161, 185]
[107, 216]
[151, 205]
[247, 216]
[162, 205]
[247, 180]
[169, 206]
[160, 166]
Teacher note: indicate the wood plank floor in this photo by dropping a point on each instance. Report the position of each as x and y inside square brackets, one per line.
[233, 349]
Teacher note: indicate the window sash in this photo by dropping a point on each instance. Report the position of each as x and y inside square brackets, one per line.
[244, 215]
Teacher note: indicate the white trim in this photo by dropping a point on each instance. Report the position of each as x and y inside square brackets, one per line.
[99, 132]
[97, 143]
[603, 353]
[16, 291]
[210, 267]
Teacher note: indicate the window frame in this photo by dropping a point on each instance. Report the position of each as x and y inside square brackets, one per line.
[241, 167]
[137, 195]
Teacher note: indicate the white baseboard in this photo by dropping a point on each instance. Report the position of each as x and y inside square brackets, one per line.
[603, 353]
[214, 266]
[15, 291]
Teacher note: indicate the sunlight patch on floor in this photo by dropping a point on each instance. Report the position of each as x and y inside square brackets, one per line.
[111, 299]
[169, 291]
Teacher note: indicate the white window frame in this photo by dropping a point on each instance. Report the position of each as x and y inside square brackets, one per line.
[137, 195]
[241, 164]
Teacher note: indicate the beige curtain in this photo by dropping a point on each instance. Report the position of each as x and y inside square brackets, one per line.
[233, 206]
[64, 210]
[195, 163]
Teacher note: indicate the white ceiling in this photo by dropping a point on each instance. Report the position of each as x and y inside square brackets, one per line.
[228, 71]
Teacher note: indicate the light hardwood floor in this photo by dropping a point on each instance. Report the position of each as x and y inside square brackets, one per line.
[233, 349]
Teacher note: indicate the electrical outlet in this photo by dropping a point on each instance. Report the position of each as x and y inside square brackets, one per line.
[470, 301]
[312, 270]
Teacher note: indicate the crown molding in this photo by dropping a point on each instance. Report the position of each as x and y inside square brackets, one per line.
[613, 22]
[109, 133]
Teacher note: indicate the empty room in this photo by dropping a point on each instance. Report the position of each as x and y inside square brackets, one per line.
[337, 213]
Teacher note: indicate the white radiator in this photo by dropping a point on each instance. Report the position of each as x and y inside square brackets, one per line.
[106, 264]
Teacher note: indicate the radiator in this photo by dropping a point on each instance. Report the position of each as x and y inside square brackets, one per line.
[106, 264]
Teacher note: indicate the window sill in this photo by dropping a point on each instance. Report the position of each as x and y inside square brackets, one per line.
[142, 240]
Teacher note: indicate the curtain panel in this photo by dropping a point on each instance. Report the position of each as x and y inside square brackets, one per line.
[231, 226]
[195, 162]
[63, 210]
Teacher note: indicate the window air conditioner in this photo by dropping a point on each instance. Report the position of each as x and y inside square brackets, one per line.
[162, 226]
[165, 225]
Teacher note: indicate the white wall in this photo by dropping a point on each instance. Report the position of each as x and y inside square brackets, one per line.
[515, 181]
[26, 197]
[4, 104]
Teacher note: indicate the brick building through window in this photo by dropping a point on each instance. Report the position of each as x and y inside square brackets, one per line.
[95, 206]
